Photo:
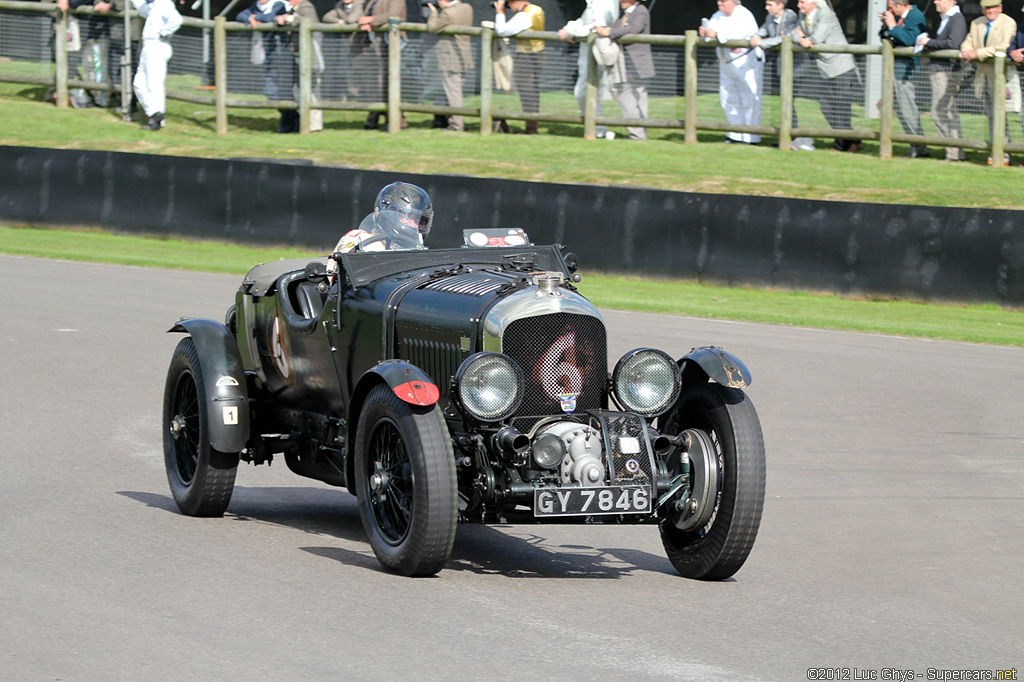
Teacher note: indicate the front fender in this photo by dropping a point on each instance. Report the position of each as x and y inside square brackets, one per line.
[716, 364]
[224, 380]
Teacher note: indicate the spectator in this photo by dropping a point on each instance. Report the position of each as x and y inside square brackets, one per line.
[780, 23]
[819, 26]
[988, 34]
[299, 9]
[596, 13]
[1016, 50]
[631, 88]
[529, 53]
[94, 54]
[346, 13]
[454, 53]
[902, 23]
[740, 69]
[162, 20]
[269, 50]
[377, 13]
[946, 74]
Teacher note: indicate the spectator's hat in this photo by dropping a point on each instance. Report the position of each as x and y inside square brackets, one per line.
[991, 3]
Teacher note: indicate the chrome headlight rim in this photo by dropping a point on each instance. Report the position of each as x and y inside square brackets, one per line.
[470, 369]
[669, 393]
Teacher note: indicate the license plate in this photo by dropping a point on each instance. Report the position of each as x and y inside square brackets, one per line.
[588, 501]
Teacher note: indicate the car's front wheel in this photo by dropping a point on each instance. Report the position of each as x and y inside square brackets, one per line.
[201, 477]
[405, 483]
[710, 535]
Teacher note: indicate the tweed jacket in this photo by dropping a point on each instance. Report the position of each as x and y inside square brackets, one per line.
[454, 53]
[639, 63]
[1002, 32]
[822, 28]
[949, 38]
[772, 32]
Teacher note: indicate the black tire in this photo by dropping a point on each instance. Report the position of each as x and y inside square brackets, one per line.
[717, 550]
[201, 478]
[409, 512]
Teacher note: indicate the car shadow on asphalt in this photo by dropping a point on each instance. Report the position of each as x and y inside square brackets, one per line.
[513, 551]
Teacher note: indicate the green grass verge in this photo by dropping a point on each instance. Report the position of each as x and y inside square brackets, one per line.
[558, 155]
[990, 324]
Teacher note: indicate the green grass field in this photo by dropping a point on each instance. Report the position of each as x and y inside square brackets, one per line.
[557, 155]
[977, 323]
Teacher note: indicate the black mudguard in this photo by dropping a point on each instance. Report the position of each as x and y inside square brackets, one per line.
[224, 378]
[720, 366]
[409, 382]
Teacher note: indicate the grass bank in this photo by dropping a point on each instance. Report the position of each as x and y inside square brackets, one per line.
[559, 154]
[988, 323]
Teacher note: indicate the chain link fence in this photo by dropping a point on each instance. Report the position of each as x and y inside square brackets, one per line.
[312, 67]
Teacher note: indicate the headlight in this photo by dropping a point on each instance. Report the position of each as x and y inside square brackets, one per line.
[646, 381]
[489, 386]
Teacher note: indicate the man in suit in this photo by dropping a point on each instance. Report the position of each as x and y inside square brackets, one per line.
[377, 13]
[1016, 50]
[819, 26]
[902, 23]
[946, 74]
[780, 23]
[346, 12]
[631, 92]
[988, 34]
[454, 53]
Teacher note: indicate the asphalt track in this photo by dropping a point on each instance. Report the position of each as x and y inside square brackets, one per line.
[893, 531]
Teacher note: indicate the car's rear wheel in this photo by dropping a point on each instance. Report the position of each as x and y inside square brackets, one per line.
[728, 448]
[405, 483]
[201, 478]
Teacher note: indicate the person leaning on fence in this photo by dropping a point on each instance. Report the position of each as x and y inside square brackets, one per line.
[740, 69]
[780, 23]
[378, 13]
[1016, 51]
[596, 13]
[269, 49]
[454, 53]
[346, 14]
[819, 26]
[987, 35]
[297, 10]
[636, 65]
[94, 51]
[902, 23]
[946, 74]
[162, 20]
[529, 55]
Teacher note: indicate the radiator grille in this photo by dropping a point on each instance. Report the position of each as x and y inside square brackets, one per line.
[562, 354]
[438, 359]
[627, 468]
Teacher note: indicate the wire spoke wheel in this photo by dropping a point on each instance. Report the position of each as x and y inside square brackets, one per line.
[201, 478]
[712, 539]
[405, 483]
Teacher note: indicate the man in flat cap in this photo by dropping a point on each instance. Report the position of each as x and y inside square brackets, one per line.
[988, 34]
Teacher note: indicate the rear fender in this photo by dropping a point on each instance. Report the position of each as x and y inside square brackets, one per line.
[716, 364]
[224, 378]
[409, 382]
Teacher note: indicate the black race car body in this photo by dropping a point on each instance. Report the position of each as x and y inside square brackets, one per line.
[463, 385]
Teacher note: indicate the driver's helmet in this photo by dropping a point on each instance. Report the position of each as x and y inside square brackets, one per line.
[403, 213]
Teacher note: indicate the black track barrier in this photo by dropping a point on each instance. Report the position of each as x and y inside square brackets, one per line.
[917, 252]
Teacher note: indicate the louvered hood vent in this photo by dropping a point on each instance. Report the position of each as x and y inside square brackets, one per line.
[469, 284]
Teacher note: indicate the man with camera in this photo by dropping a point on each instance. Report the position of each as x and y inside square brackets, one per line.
[902, 23]
[454, 53]
[529, 53]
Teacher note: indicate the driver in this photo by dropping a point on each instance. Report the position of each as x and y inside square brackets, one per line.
[401, 220]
